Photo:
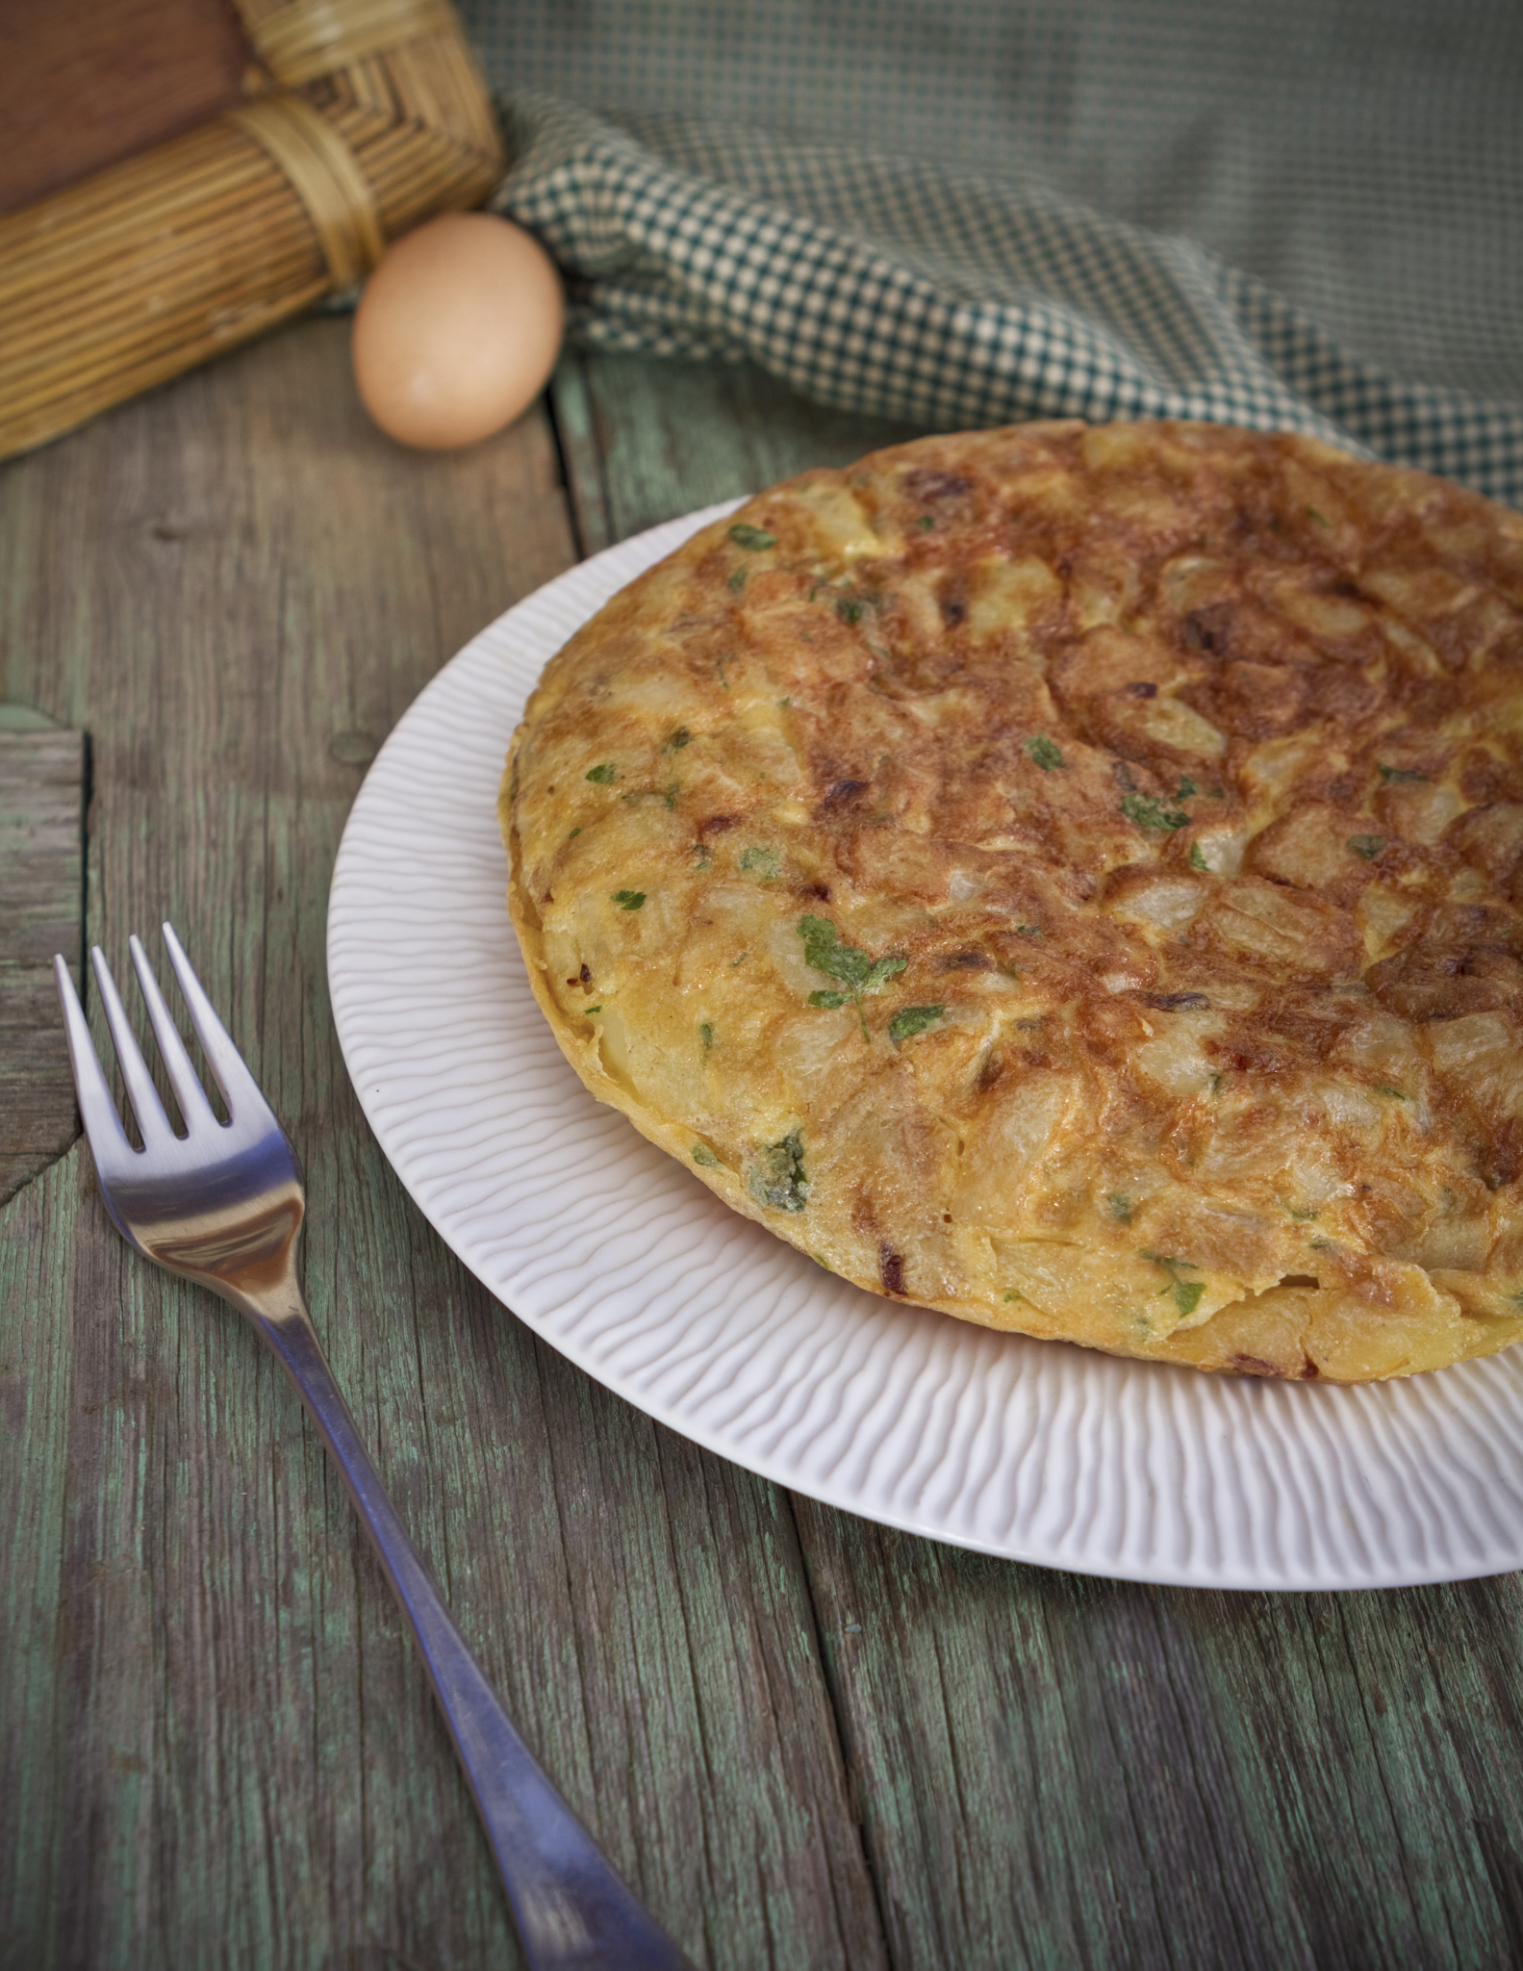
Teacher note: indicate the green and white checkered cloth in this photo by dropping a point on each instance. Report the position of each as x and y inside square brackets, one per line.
[965, 213]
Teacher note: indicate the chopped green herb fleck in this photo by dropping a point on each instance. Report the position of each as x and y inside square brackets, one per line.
[604, 775]
[828, 999]
[738, 579]
[1149, 812]
[1216, 1084]
[1184, 1293]
[777, 1178]
[910, 1020]
[1384, 1088]
[1044, 752]
[753, 539]
[593, 1009]
[1120, 1207]
[1402, 776]
[824, 951]
[673, 788]
[739, 961]
[1187, 787]
[680, 738]
[1368, 846]
[706, 1035]
[1028, 930]
[629, 899]
[1297, 1212]
[1320, 518]
[703, 1155]
[1197, 859]
[850, 608]
[575, 832]
[784, 703]
[857, 971]
[1015, 1296]
[761, 861]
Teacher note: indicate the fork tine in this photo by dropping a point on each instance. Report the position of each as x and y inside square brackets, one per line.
[189, 1093]
[227, 1064]
[141, 1093]
[97, 1111]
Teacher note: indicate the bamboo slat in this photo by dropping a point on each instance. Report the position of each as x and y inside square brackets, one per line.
[370, 117]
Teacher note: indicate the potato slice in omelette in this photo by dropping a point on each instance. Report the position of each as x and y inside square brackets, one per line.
[1068, 876]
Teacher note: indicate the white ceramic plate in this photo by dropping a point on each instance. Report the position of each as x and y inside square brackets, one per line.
[628, 1265]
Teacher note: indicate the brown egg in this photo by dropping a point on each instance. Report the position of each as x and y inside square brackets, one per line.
[457, 330]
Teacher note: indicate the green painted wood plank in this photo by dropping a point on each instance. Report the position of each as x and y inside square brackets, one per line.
[36, 1402]
[220, 1747]
[1057, 1772]
[1148, 1776]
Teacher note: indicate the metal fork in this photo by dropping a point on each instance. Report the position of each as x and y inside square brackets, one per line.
[222, 1205]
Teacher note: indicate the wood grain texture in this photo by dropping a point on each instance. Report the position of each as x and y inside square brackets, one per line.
[1154, 1777]
[218, 1745]
[42, 794]
[86, 82]
[1054, 1771]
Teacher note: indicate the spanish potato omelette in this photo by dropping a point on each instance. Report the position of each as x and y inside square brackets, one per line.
[1066, 876]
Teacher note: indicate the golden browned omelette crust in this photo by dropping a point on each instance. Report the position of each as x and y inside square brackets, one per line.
[1068, 876]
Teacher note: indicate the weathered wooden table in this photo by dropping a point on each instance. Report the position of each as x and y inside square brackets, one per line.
[808, 1741]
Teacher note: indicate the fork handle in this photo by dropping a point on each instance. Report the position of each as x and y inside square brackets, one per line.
[574, 1913]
